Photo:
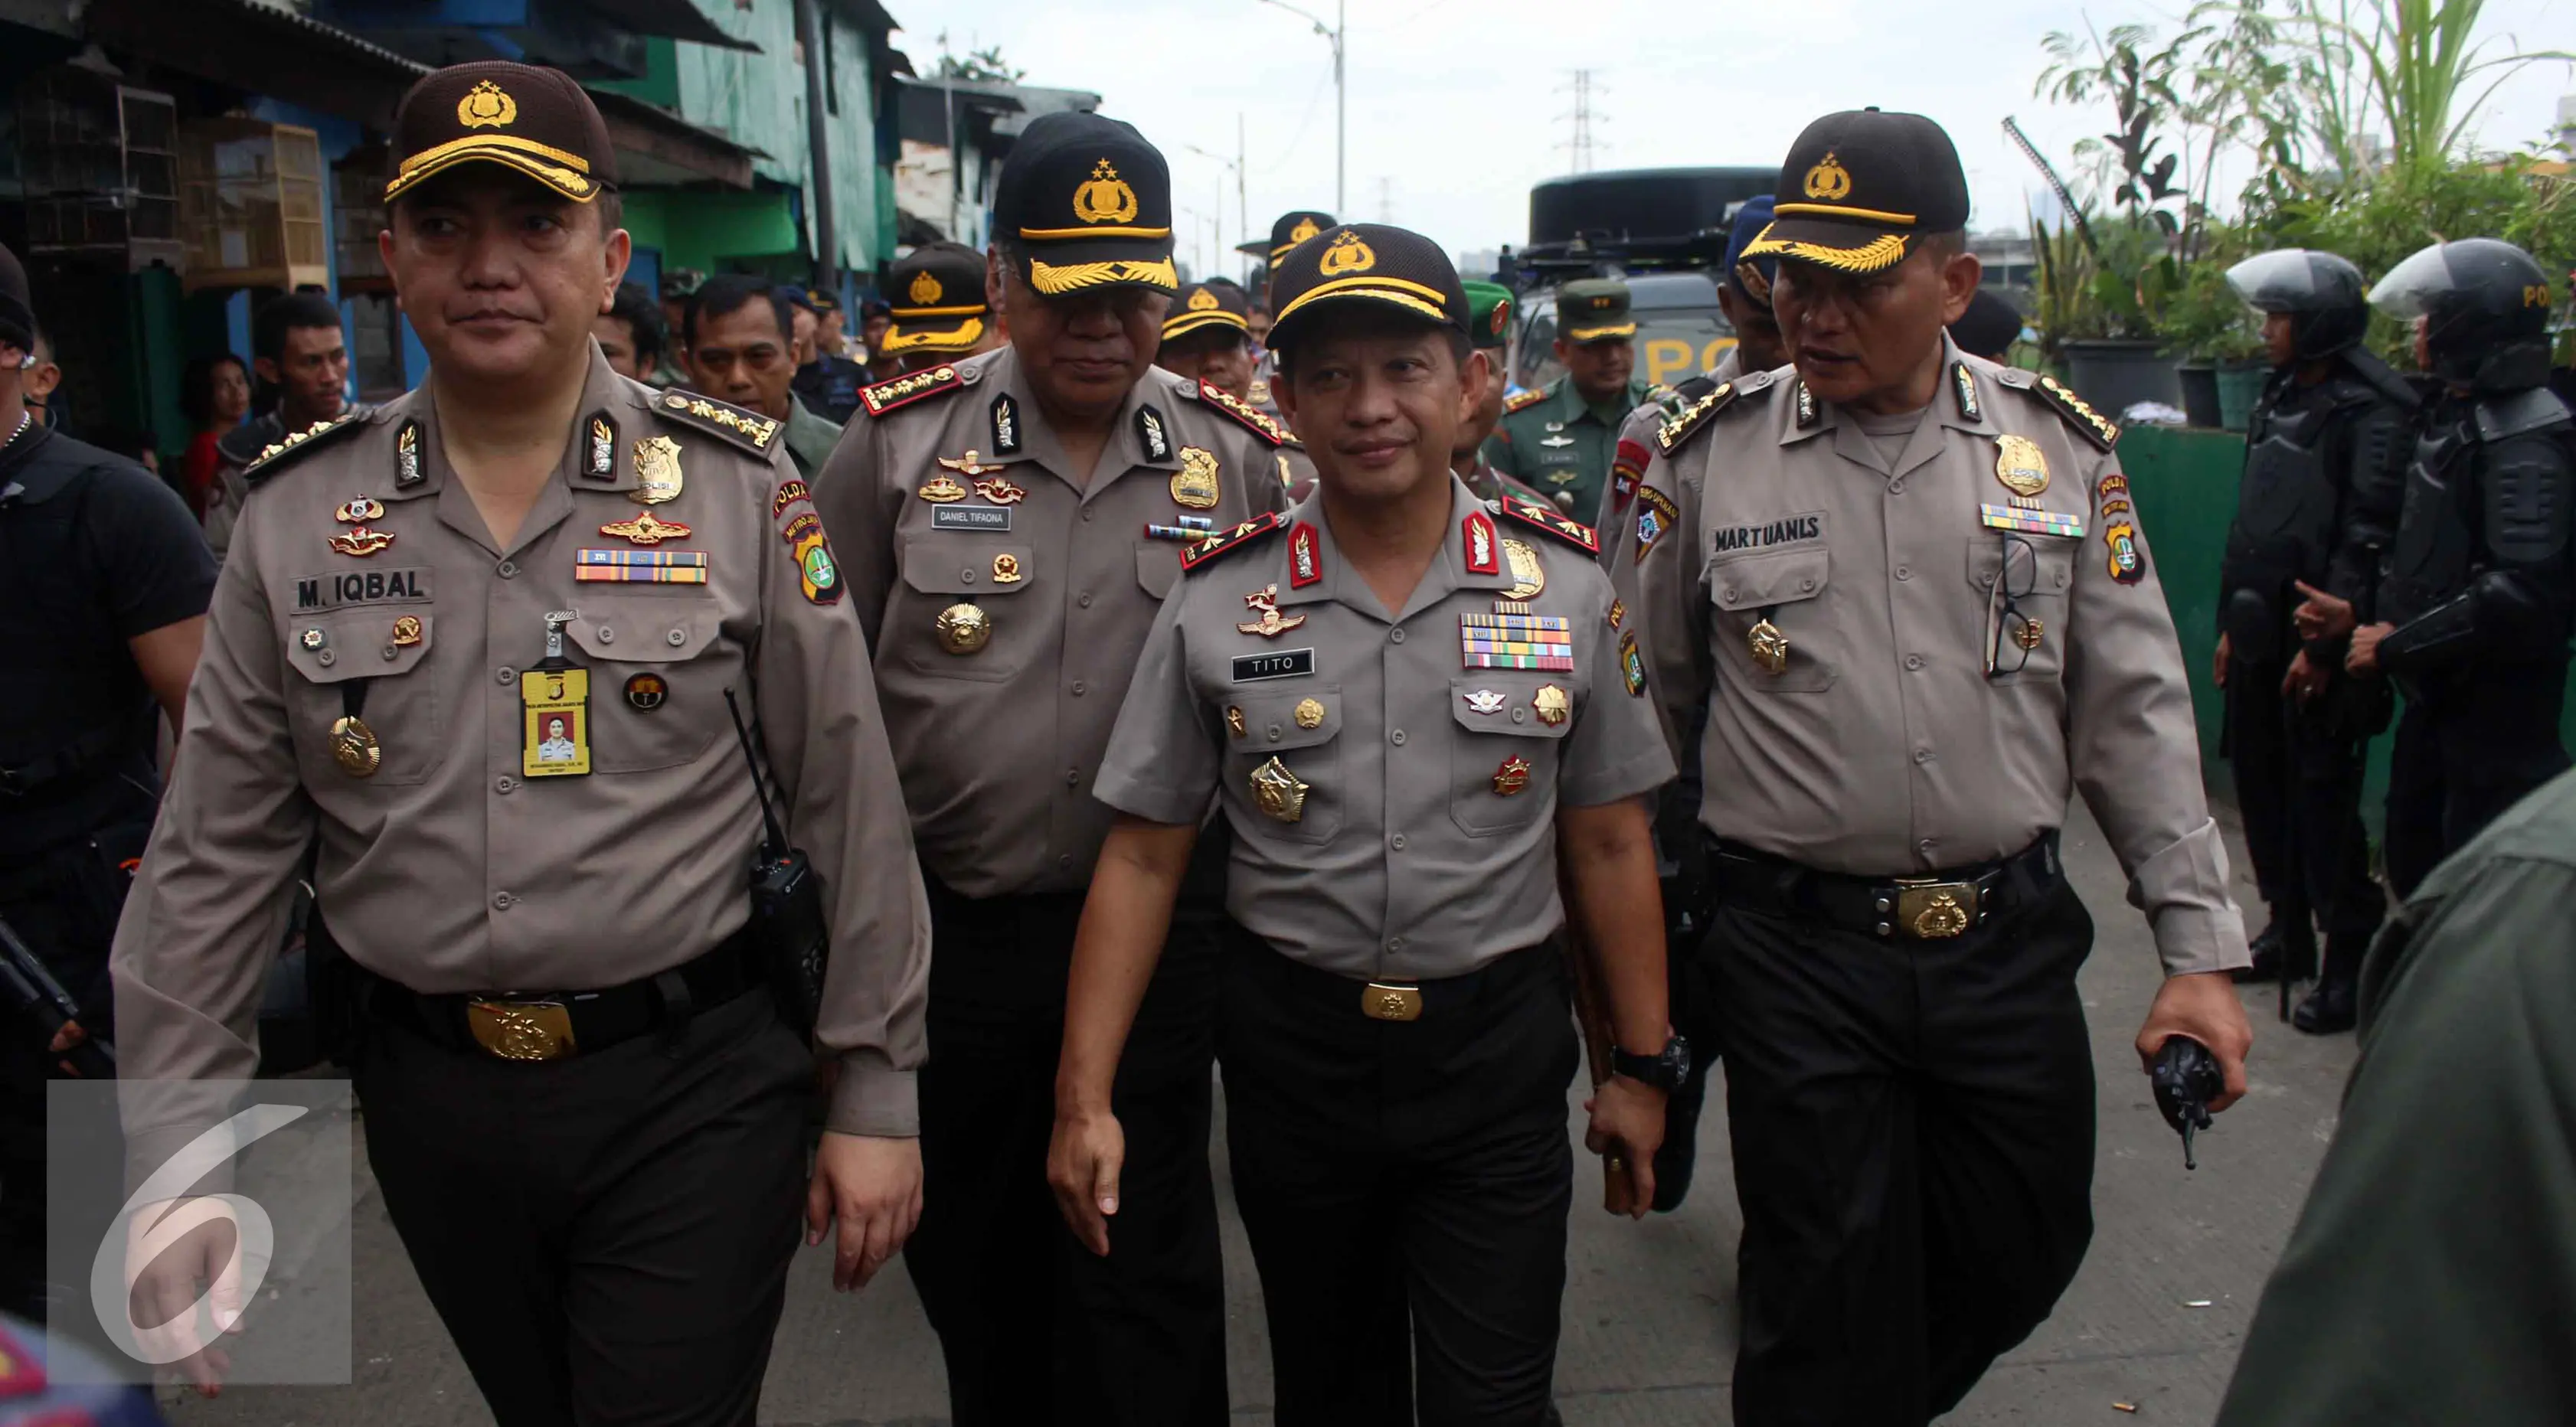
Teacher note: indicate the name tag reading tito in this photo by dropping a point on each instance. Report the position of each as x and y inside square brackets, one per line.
[1281, 664]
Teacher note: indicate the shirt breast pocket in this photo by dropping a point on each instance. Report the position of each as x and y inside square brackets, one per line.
[1158, 565]
[1301, 728]
[368, 664]
[1787, 589]
[964, 593]
[658, 672]
[1502, 757]
[2026, 620]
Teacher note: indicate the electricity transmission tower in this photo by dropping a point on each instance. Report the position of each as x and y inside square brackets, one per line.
[1582, 142]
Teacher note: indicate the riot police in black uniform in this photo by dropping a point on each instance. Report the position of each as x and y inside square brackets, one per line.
[2477, 594]
[104, 582]
[2327, 439]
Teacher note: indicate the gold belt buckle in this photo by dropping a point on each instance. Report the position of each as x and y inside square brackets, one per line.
[1935, 911]
[1380, 1002]
[521, 1030]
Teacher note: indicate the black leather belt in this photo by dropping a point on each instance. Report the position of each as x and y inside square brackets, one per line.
[78, 756]
[1395, 998]
[1928, 908]
[519, 1026]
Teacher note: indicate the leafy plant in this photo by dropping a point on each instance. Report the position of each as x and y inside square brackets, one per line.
[985, 65]
[2202, 318]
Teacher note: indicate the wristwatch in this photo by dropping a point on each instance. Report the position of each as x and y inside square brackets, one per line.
[1665, 1071]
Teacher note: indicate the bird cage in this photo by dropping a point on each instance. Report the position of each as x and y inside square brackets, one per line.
[251, 205]
[100, 168]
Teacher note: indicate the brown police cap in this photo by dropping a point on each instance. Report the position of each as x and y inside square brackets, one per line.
[537, 121]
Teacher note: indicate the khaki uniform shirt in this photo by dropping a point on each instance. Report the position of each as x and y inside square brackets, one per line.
[1628, 465]
[810, 438]
[448, 870]
[1884, 749]
[1423, 844]
[999, 740]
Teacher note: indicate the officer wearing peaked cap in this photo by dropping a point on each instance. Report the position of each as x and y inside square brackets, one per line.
[1207, 337]
[1561, 438]
[1414, 715]
[1011, 523]
[469, 661]
[1489, 326]
[940, 311]
[1912, 590]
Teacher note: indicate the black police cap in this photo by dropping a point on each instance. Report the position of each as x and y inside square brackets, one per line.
[1365, 266]
[1295, 228]
[939, 299]
[1214, 303]
[1086, 203]
[1860, 188]
[535, 120]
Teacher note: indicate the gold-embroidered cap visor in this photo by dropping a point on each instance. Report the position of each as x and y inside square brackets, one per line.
[567, 174]
[1580, 335]
[1076, 267]
[1180, 323]
[934, 335]
[1842, 246]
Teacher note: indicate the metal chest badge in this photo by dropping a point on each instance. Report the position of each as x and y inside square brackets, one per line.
[354, 747]
[1768, 646]
[359, 511]
[1554, 705]
[645, 530]
[1195, 484]
[1529, 580]
[657, 471]
[1310, 714]
[963, 629]
[362, 541]
[1512, 777]
[1265, 603]
[1278, 793]
[554, 710]
[2021, 466]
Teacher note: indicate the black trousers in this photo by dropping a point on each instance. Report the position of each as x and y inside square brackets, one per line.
[63, 903]
[2298, 783]
[2467, 748]
[1913, 1132]
[1430, 1155]
[1035, 1329]
[607, 1236]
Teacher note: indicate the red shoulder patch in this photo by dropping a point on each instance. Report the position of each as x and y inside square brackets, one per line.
[883, 397]
[1545, 517]
[1250, 418]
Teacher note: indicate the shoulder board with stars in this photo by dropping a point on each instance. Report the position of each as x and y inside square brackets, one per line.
[1525, 400]
[883, 397]
[1692, 419]
[1251, 418]
[2092, 425]
[1249, 532]
[1545, 517]
[274, 458]
[749, 430]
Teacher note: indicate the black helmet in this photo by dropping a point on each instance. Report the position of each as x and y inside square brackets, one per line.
[2322, 293]
[2485, 306]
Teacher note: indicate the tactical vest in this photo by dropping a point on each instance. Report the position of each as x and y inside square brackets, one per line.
[2288, 507]
[2443, 537]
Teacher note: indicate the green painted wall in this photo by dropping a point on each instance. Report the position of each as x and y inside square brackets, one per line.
[2185, 485]
[758, 100]
[661, 82]
[708, 231]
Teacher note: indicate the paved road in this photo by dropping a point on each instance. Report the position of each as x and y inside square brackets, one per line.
[1649, 1308]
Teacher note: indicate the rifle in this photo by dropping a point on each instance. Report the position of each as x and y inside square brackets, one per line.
[33, 992]
[1592, 1015]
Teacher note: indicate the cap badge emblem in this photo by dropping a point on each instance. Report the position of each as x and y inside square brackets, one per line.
[486, 106]
[1829, 180]
[1501, 319]
[1106, 198]
[925, 290]
[1202, 300]
[1305, 229]
[1346, 254]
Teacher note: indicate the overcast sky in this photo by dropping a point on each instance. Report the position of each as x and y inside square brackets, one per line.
[1457, 106]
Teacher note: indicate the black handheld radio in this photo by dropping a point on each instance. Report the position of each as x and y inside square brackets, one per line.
[786, 905]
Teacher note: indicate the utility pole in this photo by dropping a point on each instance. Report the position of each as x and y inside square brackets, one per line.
[1338, 32]
[1385, 199]
[1582, 143]
[818, 139]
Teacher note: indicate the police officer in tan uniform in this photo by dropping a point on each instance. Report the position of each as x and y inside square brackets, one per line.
[940, 312]
[474, 649]
[1912, 589]
[1011, 523]
[1417, 713]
